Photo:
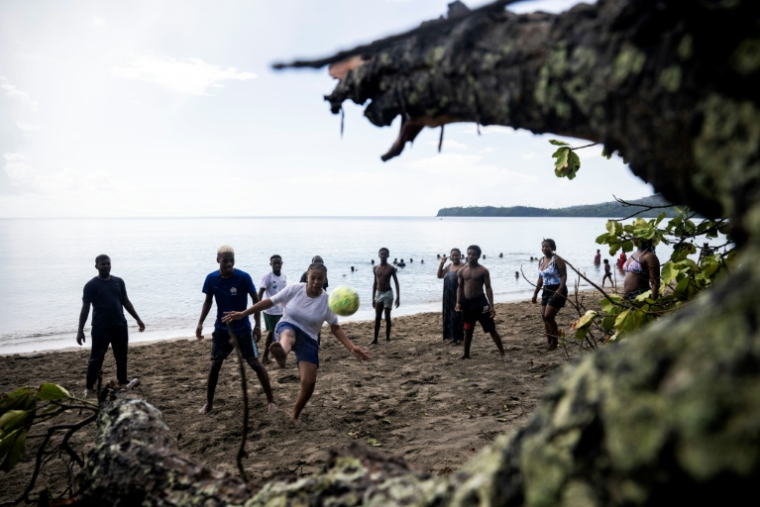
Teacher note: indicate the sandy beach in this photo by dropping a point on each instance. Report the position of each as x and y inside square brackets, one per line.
[415, 399]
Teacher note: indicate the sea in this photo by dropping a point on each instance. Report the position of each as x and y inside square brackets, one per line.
[44, 264]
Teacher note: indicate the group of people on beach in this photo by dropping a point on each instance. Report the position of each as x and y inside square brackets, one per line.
[294, 314]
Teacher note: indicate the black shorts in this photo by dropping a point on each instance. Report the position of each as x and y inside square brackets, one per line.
[221, 346]
[475, 310]
[548, 296]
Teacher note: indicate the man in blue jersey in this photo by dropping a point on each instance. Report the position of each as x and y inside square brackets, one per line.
[230, 288]
[108, 296]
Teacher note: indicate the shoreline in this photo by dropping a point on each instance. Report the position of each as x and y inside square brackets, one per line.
[135, 340]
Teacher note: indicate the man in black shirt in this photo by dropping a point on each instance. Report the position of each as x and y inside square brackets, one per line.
[108, 296]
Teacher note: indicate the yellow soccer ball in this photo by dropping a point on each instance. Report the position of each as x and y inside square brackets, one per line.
[343, 301]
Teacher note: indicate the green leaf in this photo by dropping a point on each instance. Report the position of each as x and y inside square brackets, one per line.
[16, 451]
[668, 273]
[561, 156]
[586, 320]
[573, 164]
[13, 420]
[602, 238]
[608, 323]
[660, 218]
[557, 142]
[20, 399]
[606, 154]
[51, 392]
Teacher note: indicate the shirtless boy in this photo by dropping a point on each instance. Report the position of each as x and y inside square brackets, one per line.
[474, 304]
[382, 295]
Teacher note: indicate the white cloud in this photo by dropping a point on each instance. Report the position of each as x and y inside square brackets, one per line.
[528, 156]
[455, 165]
[189, 76]
[99, 22]
[23, 178]
[14, 93]
[450, 144]
[27, 127]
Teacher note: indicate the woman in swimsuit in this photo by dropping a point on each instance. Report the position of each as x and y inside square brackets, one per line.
[552, 276]
[642, 272]
[453, 324]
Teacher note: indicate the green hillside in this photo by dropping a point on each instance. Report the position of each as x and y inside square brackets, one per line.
[612, 209]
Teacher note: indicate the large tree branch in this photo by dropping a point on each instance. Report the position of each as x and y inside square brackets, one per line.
[647, 78]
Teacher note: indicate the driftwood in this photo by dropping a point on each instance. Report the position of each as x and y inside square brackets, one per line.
[672, 413]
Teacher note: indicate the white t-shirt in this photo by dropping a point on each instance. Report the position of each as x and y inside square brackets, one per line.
[304, 312]
[272, 284]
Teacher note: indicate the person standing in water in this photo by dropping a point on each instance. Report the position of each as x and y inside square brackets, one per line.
[453, 325]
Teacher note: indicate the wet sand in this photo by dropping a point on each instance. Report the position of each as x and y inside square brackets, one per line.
[415, 399]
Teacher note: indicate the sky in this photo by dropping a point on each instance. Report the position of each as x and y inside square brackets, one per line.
[171, 109]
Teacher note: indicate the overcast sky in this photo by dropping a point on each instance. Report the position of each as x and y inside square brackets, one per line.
[170, 108]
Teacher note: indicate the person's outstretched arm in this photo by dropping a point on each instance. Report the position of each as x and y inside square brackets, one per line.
[489, 292]
[83, 314]
[204, 312]
[654, 275]
[261, 305]
[562, 268]
[256, 317]
[359, 353]
[460, 291]
[374, 286]
[539, 284]
[131, 309]
[398, 291]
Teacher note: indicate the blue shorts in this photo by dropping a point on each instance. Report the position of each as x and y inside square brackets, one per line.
[306, 347]
[221, 346]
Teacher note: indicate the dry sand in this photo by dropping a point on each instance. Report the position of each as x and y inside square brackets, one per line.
[415, 399]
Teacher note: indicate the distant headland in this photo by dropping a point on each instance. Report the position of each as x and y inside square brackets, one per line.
[612, 209]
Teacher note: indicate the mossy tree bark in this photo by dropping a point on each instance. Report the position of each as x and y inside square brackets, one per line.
[671, 413]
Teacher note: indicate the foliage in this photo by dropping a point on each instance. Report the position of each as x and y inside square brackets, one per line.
[682, 278]
[18, 411]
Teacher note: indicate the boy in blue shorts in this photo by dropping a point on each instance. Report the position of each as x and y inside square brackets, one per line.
[271, 284]
[230, 287]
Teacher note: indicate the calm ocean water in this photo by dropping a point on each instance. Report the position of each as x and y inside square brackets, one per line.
[45, 263]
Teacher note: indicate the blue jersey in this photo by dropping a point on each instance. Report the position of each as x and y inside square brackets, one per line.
[231, 295]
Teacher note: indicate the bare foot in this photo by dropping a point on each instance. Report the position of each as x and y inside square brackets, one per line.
[278, 353]
[271, 407]
[505, 359]
[373, 342]
[205, 409]
[387, 339]
[266, 360]
[295, 421]
[463, 357]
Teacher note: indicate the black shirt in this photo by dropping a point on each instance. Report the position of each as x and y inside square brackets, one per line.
[107, 298]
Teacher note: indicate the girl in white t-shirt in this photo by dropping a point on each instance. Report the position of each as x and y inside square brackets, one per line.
[306, 310]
